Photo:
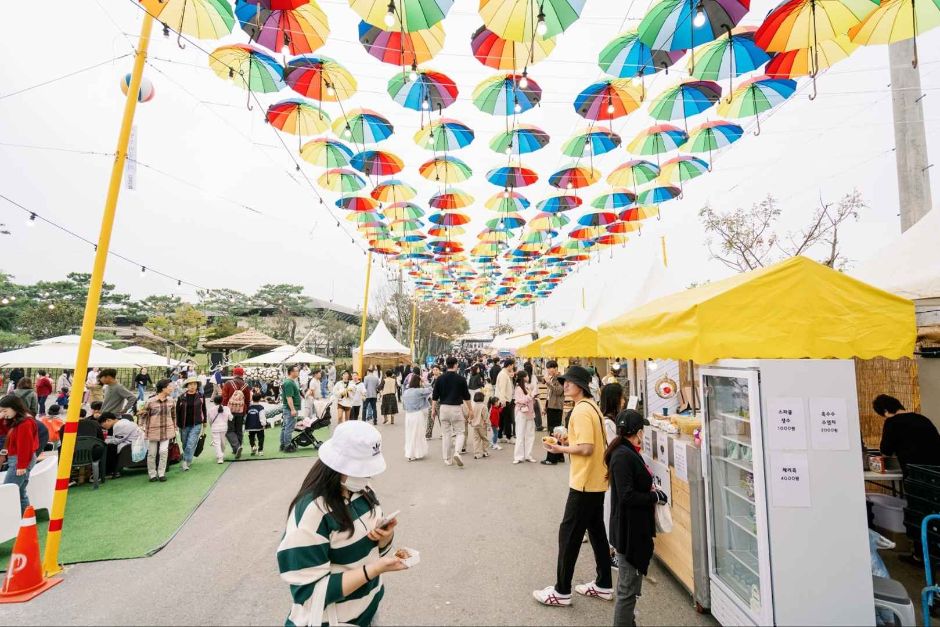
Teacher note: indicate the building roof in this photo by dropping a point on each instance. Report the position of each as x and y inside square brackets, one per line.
[249, 339]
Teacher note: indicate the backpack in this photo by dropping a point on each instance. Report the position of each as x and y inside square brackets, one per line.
[236, 401]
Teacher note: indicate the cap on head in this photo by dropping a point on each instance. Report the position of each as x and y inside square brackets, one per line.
[630, 421]
[238, 371]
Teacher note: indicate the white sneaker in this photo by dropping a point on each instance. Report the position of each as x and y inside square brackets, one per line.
[184, 466]
[592, 590]
[448, 462]
[458, 460]
[517, 461]
[529, 459]
[497, 448]
[548, 596]
[220, 460]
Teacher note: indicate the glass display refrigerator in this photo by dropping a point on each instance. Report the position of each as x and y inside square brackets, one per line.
[785, 497]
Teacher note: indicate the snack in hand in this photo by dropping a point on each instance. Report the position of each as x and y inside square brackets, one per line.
[402, 554]
[549, 440]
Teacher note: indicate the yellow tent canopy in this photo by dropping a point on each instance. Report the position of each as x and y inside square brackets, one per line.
[535, 348]
[791, 310]
[581, 342]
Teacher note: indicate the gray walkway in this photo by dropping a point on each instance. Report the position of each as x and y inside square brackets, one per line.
[486, 535]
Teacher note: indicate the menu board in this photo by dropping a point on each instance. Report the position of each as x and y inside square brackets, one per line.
[786, 423]
[789, 480]
[661, 480]
[829, 424]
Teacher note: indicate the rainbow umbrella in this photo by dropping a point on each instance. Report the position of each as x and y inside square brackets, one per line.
[297, 117]
[635, 214]
[608, 100]
[683, 168]
[586, 234]
[656, 195]
[403, 211]
[504, 94]
[658, 139]
[202, 19]
[896, 20]
[402, 15]
[507, 221]
[357, 203]
[614, 199]
[326, 153]
[445, 169]
[341, 180]
[611, 239]
[377, 163]
[402, 49]
[502, 54]
[300, 26]
[526, 20]
[507, 201]
[521, 139]
[684, 100]
[247, 67]
[756, 95]
[444, 135]
[685, 24]
[449, 218]
[363, 126]
[512, 176]
[452, 199]
[393, 190]
[424, 90]
[574, 177]
[548, 221]
[798, 24]
[810, 61]
[448, 231]
[598, 218]
[625, 56]
[557, 204]
[366, 218]
[595, 140]
[730, 57]
[712, 136]
[319, 78]
[633, 174]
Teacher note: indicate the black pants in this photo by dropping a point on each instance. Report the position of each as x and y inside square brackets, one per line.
[354, 412]
[111, 457]
[583, 511]
[368, 409]
[538, 415]
[507, 419]
[553, 418]
[235, 434]
[256, 436]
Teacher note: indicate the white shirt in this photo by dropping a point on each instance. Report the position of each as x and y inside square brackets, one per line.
[344, 392]
[92, 378]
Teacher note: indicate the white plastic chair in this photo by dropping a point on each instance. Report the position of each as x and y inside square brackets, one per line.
[41, 486]
[9, 511]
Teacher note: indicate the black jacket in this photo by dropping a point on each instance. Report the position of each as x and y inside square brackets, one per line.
[632, 503]
[913, 438]
[494, 372]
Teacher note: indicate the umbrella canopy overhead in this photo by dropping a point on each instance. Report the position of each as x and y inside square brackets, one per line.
[246, 340]
[286, 354]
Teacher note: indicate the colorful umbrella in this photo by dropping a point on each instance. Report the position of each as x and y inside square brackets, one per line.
[449, 218]
[557, 204]
[422, 91]
[502, 54]
[896, 20]
[504, 94]
[507, 201]
[712, 136]
[377, 163]
[574, 177]
[300, 26]
[363, 126]
[625, 56]
[521, 139]
[548, 221]
[512, 176]
[366, 218]
[614, 199]
[446, 169]
[444, 135]
[683, 168]
[625, 227]
[585, 235]
[656, 195]
[810, 61]
[608, 100]
[326, 153]
[685, 100]
[341, 180]
[452, 199]
[597, 218]
[684, 24]
[756, 95]
[319, 78]
[357, 203]
[403, 211]
[402, 49]
[798, 24]
[247, 67]
[528, 19]
[595, 140]
[633, 174]
[202, 19]
[402, 15]
[635, 214]
[507, 221]
[297, 117]
[730, 57]
[658, 139]
[611, 239]
[393, 190]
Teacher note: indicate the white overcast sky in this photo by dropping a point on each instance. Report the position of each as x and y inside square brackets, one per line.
[204, 156]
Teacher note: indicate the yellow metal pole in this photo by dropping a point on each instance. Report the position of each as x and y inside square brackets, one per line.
[365, 314]
[662, 242]
[51, 558]
[414, 322]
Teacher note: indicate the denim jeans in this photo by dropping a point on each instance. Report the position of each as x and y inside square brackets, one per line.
[287, 427]
[369, 411]
[42, 404]
[190, 437]
[19, 480]
[140, 391]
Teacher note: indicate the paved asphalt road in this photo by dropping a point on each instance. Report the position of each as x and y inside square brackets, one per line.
[487, 536]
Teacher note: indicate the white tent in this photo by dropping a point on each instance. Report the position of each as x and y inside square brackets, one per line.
[67, 339]
[510, 343]
[382, 346]
[146, 357]
[909, 266]
[64, 356]
[286, 354]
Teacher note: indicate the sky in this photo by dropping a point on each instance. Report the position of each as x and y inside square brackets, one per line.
[219, 203]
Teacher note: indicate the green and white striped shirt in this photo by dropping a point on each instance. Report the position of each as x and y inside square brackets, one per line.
[313, 549]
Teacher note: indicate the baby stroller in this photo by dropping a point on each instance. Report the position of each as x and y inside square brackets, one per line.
[303, 430]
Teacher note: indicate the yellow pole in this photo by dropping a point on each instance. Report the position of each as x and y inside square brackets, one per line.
[414, 322]
[365, 314]
[51, 558]
[662, 242]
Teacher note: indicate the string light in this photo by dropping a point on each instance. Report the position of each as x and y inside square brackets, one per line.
[390, 15]
[517, 107]
[32, 220]
[413, 75]
[426, 104]
[541, 28]
[699, 20]
[143, 271]
[524, 81]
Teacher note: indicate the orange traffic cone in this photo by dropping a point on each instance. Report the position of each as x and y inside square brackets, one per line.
[24, 578]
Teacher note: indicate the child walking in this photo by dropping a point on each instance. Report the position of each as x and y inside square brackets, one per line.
[493, 408]
[478, 424]
[254, 425]
[219, 416]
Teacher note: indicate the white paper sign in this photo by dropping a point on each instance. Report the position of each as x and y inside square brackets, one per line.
[680, 459]
[662, 447]
[648, 442]
[789, 480]
[633, 403]
[661, 480]
[829, 424]
[786, 421]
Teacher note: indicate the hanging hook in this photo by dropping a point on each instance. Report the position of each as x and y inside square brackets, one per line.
[758, 126]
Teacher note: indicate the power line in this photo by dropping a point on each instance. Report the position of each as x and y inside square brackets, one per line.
[63, 77]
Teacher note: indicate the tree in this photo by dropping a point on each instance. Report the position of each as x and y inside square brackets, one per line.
[337, 334]
[747, 238]
[503, 329]
[224, 302]
[438, 324]
[183, 327]
[287, 302]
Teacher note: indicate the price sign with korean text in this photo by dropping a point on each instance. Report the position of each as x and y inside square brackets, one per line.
[786, 423]
[680, 459]
[789, 480]
[648, 442]
[829, 423]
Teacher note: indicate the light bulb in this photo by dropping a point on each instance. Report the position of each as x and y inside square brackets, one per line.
[699, 20]
[517, 107]
[412, 76]
[610, 109]
[32, 220]
[524, 81]
[143, 271]
[508, 151]
[652, 365]
[347, 132]
[51, 306]
[330, 91]
[541, 28]
[570, 185]
[425, 104]
[5, 301]
[390, 15]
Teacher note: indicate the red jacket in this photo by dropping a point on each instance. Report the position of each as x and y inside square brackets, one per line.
[44, 386]
[22, 441]
[236, 384]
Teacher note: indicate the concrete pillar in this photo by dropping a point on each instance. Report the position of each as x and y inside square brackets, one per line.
[910, 139]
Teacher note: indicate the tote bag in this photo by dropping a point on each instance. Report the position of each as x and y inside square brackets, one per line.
[663, 518]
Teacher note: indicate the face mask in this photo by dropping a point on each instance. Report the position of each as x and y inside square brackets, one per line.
[356, 484]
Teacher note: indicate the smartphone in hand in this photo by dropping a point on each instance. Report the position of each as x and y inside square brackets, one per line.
[383, 524]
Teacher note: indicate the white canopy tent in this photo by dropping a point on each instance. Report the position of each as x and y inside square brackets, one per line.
[382, 347]
[146, 357]
[510, 343]
[67, 339]
[64, 356]
[910, 265]
[286, 354]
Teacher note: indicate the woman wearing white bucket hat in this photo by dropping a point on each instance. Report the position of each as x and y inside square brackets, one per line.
[334, 549]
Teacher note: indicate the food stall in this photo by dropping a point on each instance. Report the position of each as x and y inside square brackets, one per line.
[382, 349]
[781, 455]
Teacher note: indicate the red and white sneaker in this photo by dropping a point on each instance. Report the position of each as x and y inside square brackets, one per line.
[592, 590]
[548, 596]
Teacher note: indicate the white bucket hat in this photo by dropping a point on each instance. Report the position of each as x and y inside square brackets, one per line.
[355, 450]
